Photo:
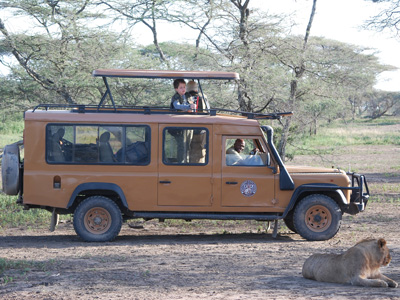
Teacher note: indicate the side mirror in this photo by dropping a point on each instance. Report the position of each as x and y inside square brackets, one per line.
[268, 159]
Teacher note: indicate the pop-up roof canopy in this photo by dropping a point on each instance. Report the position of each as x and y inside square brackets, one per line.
[169, 74]
[195, 75]
[165, 74]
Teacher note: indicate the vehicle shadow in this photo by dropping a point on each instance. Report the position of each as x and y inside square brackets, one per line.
[65, 241]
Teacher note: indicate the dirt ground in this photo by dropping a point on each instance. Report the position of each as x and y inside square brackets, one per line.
[198, 260]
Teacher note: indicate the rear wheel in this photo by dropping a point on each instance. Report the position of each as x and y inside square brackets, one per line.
[10, 172]
[97, 219]
[317, 217]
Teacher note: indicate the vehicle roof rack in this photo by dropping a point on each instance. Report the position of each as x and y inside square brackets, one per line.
[149, 110]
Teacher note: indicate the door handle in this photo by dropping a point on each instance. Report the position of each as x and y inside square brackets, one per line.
[231, 182]
[165, 181]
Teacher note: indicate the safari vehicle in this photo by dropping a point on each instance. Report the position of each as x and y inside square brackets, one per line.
[108, 163]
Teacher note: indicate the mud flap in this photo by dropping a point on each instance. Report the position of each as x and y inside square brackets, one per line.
[275, 232]
[55, 217]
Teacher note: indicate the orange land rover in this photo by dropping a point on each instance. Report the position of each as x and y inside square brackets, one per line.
[108, 163]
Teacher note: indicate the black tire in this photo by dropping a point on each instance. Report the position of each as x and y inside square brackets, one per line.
[10, 172]
[97, 219]
[317, 218]
[289, 221]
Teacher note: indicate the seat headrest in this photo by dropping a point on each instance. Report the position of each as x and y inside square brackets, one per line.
[105, 137]
[59, 133]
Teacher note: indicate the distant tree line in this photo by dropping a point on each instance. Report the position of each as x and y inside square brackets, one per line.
[61, 42]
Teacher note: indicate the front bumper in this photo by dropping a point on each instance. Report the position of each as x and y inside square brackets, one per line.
[360, 193]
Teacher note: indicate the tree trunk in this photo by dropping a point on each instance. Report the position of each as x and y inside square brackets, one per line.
[245, 103]
[298, 73]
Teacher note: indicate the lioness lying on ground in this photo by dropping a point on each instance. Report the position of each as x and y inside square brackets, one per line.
[357, 266]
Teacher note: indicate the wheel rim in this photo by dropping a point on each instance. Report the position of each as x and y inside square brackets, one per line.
[97, 220]
[318, 218]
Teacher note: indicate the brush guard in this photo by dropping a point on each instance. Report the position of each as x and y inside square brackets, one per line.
[360, 193]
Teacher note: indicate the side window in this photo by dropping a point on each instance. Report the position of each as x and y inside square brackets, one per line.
[185, 146]
[85, 148]
[58, 149]
[245, 152]
[93, 144]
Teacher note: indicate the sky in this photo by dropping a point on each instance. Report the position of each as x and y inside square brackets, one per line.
[335, 19]
[342, 20]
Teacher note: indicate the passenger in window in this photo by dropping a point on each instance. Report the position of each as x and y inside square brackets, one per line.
[234, 156]
[105, 150]
[198, 147]
[192, 92]
[56, 150]
[179, 100]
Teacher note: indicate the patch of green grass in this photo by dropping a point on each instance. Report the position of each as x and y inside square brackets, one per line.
[7, 139]
[22, 267]
[330, 138]
[11, 129]
[384, 188]
[386, 120]
[13, 215]
[382, 198]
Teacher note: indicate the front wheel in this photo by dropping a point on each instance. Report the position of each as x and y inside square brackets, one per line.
[317, 217]
[289, 221]
[97, 219]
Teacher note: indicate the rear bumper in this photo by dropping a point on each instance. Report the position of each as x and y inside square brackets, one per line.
[360, 194]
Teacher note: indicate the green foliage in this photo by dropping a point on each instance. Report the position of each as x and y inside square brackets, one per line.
[13, 215]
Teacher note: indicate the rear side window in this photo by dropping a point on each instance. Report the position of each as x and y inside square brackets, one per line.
[94, 144]
[185, 146]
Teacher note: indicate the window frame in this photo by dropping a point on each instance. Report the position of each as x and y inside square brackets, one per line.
[163, 159]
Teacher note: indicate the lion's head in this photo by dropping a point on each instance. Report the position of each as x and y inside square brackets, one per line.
[378, 249]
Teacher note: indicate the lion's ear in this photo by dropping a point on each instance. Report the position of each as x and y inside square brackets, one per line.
[381, 243]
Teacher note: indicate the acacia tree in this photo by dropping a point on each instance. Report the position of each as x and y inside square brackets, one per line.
[380, 103]
[59, 50]
[195, 14]
[147, 12]
[387, 18]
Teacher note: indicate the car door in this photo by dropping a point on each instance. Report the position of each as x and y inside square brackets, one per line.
[247, 180]
[184, 166]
